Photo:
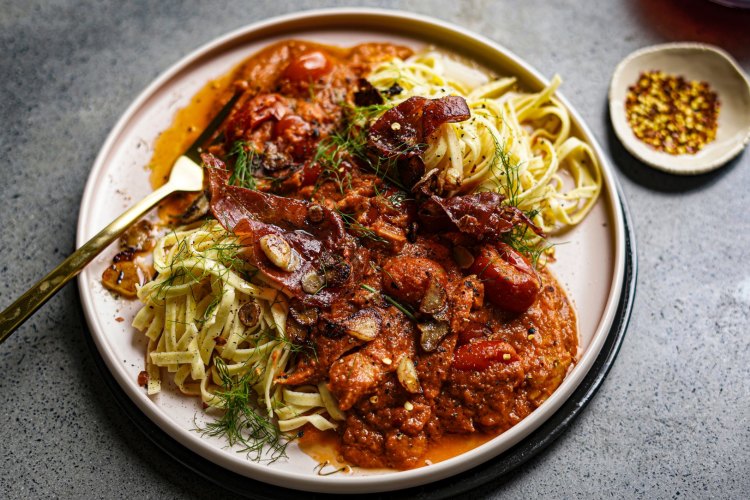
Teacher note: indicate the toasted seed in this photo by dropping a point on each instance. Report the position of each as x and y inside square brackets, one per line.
[249, 313]
[279, 252]
[407, 375]
[463, 257]
[364, 324]
[312, 282]
[433, 332]
[435, 298]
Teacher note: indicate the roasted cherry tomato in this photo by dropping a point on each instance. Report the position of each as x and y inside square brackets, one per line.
[480, 355]
[473, 330]
[253, 113]
[308, 67]
[310, 173]
[295, 132]
[291, 126]
[510, 283]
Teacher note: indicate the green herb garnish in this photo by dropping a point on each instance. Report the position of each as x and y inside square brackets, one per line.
[246, 163]
[521, 238]
[361, 231]
[240, 423]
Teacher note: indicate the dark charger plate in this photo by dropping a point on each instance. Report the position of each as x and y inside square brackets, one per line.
[490, 471]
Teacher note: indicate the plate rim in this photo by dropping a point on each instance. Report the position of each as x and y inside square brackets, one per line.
[350, 484]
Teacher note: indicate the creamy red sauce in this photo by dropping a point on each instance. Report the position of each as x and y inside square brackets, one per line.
[325, 448]
[501, 335]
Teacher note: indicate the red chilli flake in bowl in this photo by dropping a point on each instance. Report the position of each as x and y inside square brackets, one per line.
[672, 114]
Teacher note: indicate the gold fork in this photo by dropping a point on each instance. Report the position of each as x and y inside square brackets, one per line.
[186, 175]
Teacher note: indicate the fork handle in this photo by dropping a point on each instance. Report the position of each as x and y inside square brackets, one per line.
[12, 317]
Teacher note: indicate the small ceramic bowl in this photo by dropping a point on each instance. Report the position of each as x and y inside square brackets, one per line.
[693, 61]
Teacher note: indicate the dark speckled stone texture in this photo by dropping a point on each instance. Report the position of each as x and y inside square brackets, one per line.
[672, 418]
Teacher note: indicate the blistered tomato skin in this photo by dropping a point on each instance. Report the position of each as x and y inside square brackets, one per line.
[292, 126]
[473, 331]
[253, 114]
[308, 67]
[296, 132]
[310, 173]
[509, 281]
[480, 355]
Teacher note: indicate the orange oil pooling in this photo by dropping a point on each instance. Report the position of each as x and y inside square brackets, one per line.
[452, 445]
[187, 125]
[324, 447]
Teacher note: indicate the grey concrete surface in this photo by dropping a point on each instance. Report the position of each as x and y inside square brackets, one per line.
[672, 419]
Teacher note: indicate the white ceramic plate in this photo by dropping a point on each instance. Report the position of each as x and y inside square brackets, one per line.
[590, 265]
[694, 61]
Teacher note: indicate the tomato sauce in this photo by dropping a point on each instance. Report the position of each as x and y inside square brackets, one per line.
[325, 447]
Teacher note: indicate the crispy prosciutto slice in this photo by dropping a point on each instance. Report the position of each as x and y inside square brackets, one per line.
[403, 130]
[480, 215]
[324, 254]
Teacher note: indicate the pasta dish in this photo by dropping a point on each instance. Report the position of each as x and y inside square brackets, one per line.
[369, 259]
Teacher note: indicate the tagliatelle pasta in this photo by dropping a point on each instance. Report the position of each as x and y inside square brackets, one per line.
[191, 316]
[516, 143]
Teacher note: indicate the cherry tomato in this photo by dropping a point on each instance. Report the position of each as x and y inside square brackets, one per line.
[292, 126]
[294, 131]
[308, 66]
[509, 281]
[253, 113]
[480, 355]
[473, 330]
[310, 173]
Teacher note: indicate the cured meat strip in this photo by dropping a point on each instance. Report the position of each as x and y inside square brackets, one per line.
[481, 215]
[316, 235]
[403, 130]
